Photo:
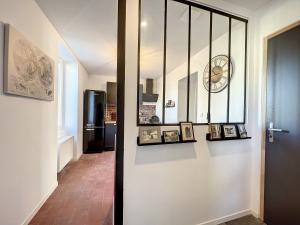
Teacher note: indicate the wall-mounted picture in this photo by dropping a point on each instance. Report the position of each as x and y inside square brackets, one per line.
[171, 136]
[229, 131]
[149, 135]
[242, 130]
[187, 131]
[28, 71]
[215, 131]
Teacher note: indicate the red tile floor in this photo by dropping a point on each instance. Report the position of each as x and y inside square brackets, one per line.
[84, 195]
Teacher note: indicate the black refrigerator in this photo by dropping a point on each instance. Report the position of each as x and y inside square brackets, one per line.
[94, 121]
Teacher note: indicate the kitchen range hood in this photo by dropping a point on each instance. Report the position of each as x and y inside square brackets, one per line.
[149, 96]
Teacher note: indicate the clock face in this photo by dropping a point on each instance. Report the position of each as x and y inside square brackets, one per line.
[219, 73]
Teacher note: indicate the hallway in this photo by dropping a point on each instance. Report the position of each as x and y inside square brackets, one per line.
[84, 195]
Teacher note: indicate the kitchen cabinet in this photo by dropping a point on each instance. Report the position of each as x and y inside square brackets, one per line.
[111, 88]
[110, 132]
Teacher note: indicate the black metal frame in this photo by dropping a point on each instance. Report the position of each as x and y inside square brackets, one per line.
[212, 11]
[119, 164]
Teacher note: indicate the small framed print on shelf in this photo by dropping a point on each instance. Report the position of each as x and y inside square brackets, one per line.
[229, 131]
[187, 131]
[171, 136]
[149, 135]
[242, 131]
[214, 131]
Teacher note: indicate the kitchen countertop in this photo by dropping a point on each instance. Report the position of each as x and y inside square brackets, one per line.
[109, 122]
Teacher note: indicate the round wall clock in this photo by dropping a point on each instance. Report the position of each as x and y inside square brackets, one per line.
[219, 73]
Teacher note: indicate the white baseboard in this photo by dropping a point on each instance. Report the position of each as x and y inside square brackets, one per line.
[228, 218]
[255, 214]
[39, 206]
[79, 155]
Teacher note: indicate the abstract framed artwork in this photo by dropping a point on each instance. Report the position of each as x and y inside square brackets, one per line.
[28, 71]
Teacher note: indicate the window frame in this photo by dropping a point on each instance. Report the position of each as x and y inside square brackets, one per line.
[211, 11]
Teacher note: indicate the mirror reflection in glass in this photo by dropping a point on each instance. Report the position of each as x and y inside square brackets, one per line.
[175, 104]
[176, 63]
[219, 69]
[151, 61]
[200, 20]
[237, 84]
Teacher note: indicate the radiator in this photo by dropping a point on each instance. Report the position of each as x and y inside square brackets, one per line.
[65, 152]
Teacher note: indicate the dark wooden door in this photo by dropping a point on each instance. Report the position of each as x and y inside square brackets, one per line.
[282, 171]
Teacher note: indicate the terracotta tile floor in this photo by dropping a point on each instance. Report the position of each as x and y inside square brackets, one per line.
[84, 195]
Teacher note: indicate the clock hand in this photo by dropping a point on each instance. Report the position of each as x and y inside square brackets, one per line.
[215, 74]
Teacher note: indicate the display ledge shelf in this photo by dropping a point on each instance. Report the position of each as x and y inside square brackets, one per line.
[226, 139]
[164, 143]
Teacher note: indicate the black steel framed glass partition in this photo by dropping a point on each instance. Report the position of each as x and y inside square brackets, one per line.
[191, 64]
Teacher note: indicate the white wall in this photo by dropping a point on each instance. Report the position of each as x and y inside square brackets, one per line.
[28, 139]
[273, 17]
[98, 82]
[82, 80]
[184, 184]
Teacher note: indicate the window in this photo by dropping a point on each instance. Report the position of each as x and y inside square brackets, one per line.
[193, 68]
[60, 97]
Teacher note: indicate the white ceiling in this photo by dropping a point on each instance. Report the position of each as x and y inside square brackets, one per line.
[90, 29]
[249, 4]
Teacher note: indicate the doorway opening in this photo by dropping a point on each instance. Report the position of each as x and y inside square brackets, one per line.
[91, 113]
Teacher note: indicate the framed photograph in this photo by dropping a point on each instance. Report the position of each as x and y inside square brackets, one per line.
[215, 131]
[229, 131]
[187, 131]
[171, 136]
[242, 130]
[149, 135]
[170, 104]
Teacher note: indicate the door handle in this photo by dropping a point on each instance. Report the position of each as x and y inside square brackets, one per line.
[278, 130]
[272, 130]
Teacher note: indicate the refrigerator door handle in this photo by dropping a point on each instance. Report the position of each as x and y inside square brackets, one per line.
[93, 128]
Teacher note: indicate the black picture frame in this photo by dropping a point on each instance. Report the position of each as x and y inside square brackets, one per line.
[172, 141]
[183, 131]
[229, 131]
[218, 130]
[242, 131]
[151, 139]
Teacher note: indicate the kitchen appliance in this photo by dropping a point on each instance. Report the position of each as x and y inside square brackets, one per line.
[149, 96]
[94, 121]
